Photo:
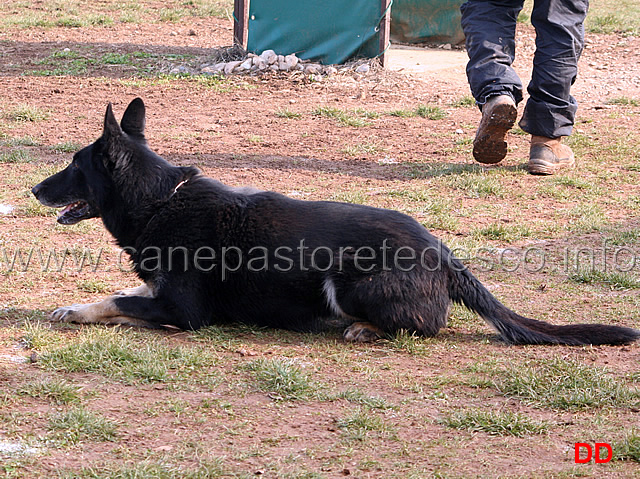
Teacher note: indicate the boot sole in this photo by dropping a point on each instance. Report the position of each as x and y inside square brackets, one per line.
[541, 167]
[490, 145]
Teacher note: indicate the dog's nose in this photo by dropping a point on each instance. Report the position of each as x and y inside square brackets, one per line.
[36, 189]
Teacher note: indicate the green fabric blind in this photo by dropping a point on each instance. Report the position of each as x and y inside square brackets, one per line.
[415, 21]
[328, 31]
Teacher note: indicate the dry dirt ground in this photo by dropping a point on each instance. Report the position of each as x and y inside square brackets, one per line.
[245, 131]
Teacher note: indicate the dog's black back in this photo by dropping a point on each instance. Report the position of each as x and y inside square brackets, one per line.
[210, 253]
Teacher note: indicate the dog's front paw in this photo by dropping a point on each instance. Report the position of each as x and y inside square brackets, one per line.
[68, 314]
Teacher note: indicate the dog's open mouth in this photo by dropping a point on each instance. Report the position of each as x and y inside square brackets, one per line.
[75, 212]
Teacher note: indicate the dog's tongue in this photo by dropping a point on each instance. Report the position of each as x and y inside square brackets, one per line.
[67, 209]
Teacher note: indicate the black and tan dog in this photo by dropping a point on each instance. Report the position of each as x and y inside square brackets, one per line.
[207, 252]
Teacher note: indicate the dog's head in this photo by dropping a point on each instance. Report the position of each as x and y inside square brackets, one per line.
[88, 185]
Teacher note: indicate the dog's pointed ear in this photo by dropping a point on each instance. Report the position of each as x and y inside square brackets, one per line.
[116, 155]
[133, 120]
[111, 127]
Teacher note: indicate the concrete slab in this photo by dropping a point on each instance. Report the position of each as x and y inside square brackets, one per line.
[408, 59]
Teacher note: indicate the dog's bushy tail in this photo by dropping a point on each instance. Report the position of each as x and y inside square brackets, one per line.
[466, 289]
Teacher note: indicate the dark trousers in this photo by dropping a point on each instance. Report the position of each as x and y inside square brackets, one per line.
[489, 27]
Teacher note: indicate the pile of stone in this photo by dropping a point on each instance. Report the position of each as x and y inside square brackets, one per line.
[269, 61]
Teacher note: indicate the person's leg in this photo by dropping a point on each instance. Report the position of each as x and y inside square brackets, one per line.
[550, 110]
[489, 28]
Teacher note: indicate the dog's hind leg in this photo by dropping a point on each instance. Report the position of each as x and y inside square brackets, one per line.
[387, 303]
[357, 332]
[362, 332]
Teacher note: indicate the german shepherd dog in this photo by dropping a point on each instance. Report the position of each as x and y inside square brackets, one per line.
[209, 253]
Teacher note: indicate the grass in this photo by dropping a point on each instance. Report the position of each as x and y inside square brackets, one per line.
[33, 176]
[93, 286]
[357, 118]
[282, 379]
[21, 141]
[34, 209]
[38, 336]
[423, 111]
[205, 469]
[129, 17]
[355, 197]
[25, 113]
[363, 113]
[409, 342]
[566, 384]
[421, 196]
[430, 112]
[216, 335]
[288, 114]
[623, 101]
[66, 147]
[622, 238]
[516, 130]
[503, 232]
[615, 280]
[58, 391]
[77, 425]
[586, 218]
[439, 216]
[419, 170]
[612, 23]
[214, 83]
[604, 16]
[365, 148]
[572, 182]
[466, 101]
[477, 185]
[581, 142]
[126, 357]
[495, 423]
[114, 58]
[140, 68]
[360, 424]
[64, 62]
[74, 63]
[17, 156]
[208, 82]
[358, 397]
[77, 14]
[628, 449]
[403, 113]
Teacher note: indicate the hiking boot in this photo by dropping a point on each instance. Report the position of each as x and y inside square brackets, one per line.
[498, 116]
[548, 155]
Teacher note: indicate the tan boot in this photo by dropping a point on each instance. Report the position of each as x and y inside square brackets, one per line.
[498, 116]
[548, 155]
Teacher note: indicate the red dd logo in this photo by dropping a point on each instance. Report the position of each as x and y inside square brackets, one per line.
[590, 452]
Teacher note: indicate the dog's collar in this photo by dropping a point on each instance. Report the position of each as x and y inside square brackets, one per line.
[178, 186]
[175, 190]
